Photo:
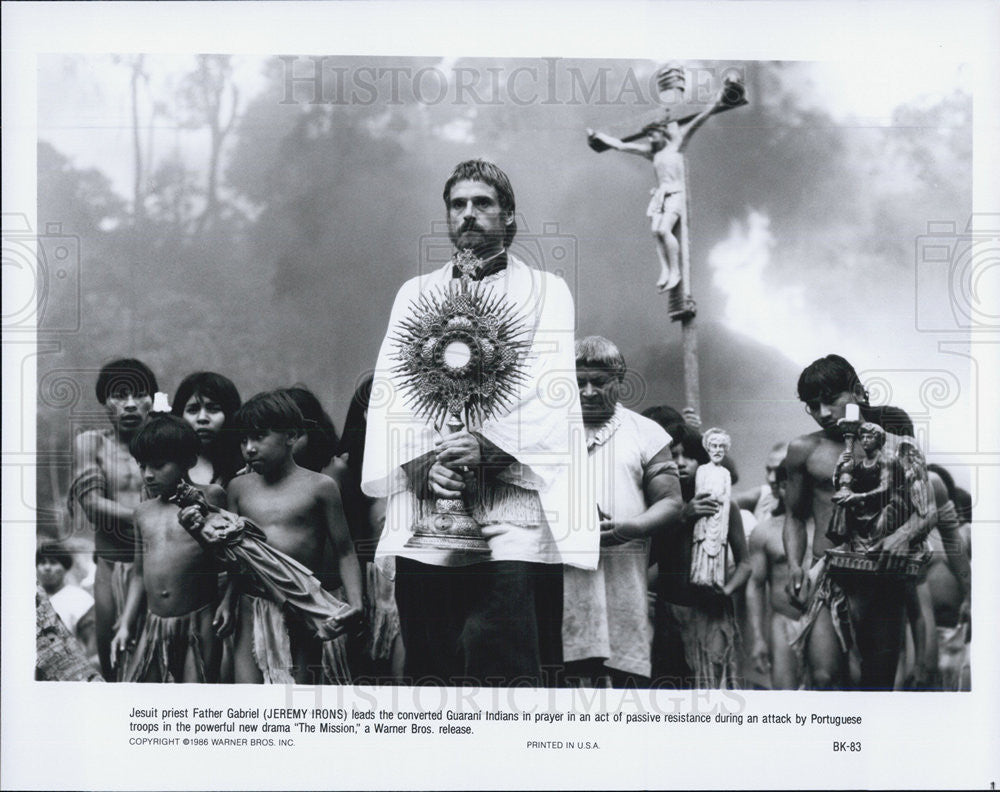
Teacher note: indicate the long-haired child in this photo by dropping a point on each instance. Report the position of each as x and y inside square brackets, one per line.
[208, 402]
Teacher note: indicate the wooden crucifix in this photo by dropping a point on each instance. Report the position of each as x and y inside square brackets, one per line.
[663, 142]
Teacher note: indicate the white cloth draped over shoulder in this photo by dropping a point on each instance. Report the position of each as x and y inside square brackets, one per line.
[543, 430]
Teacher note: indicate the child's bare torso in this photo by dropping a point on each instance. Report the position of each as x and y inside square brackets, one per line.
[177, 574]
[289, 512]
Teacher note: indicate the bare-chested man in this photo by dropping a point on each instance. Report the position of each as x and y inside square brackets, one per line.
[664, 146]
[298, 511]
[175, 578]
[771, 650]
[763, 500]
[861, 613]
[107, 486]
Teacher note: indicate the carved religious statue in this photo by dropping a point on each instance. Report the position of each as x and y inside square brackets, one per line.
[877, 491]
[708, 553]
[241, 547]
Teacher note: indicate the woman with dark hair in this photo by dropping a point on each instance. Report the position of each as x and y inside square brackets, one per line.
[208, 401]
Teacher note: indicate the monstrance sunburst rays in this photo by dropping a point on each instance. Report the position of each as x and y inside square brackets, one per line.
[460, 352]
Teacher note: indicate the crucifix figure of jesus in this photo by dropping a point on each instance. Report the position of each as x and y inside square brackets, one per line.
[663, 142]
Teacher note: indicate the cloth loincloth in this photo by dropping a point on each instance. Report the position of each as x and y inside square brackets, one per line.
[711, 640]
[658, 199]
[787, 629]
[167, 647]
[381, 613]
[121, 577]
[272, 647]
[827, 593]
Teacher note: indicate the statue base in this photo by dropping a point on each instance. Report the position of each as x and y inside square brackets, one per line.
[450, 527]
[846, 561]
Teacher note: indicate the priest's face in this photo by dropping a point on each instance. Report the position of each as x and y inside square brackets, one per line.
[476, 220]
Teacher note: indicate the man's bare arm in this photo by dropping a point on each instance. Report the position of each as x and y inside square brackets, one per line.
[340, 536]
[748, 499]
[103, 512]
[738, 544]
[798, 500]
[757, 598]
[662, 490]
[135, 599]
[224, 619]
[958, 559]
[948, 525]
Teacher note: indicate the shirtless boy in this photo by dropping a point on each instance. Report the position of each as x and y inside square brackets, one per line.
[174, 576]
[107, 487]
[865, 616]
[299, 511]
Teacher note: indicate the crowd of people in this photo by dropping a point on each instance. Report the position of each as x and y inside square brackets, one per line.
[614, 549]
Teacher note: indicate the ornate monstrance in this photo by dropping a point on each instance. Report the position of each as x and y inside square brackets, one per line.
[460, 356]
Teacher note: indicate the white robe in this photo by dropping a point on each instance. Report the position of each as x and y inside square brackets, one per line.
[543, 432]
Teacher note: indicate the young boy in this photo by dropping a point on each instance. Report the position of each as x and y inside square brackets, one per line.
[107, 487]
[173, 574]
[298, 511]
